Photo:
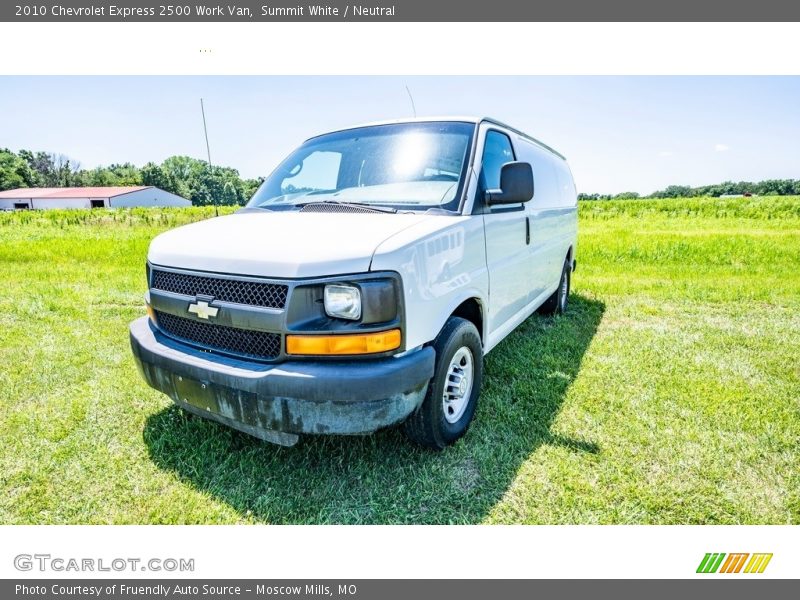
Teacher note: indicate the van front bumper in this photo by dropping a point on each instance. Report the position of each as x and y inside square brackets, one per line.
[277, 402]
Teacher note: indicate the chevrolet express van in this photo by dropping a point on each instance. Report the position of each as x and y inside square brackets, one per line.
[364, 283]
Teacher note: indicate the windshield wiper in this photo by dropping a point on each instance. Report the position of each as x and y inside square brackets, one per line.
[383, 209]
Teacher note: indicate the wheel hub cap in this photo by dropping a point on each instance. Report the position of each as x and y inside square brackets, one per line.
[458, 384]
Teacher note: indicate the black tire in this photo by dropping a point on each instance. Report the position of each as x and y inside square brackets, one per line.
[556, 304]
[428, 426]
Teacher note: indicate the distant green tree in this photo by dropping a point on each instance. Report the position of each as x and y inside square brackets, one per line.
[126, 174]
[230, 194]
[53, 170]
[98, 177]
[674, 191]
[184, 171]
[41, 164]
[769, 187]
[155, 175]
[250, 186]
[182, 175]
[14, 171]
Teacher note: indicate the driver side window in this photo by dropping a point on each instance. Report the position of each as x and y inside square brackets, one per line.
[497, 151]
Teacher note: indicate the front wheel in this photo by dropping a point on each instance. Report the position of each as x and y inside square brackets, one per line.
[448, 408]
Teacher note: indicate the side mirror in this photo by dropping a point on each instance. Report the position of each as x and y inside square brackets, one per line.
[516, 184]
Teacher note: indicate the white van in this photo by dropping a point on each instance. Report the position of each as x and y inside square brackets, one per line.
[364, 282]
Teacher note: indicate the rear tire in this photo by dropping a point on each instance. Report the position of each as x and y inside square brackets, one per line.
[449, 405]
[556, 304]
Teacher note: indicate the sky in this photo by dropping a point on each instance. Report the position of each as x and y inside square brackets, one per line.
[619, 134]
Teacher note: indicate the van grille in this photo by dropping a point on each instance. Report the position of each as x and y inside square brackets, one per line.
[243, 342]
[253, 293]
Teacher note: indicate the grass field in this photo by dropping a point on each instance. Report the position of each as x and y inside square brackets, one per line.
[670, 392]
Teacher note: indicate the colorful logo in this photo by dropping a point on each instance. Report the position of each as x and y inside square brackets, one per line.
[734, 563]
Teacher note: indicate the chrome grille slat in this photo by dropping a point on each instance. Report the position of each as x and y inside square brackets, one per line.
[237, 291]
[248, 343]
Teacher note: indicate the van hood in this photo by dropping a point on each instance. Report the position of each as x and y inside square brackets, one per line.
[280, 244]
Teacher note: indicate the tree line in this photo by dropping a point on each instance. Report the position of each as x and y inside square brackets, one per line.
[768, 187]
[188, 177]
[197, 181]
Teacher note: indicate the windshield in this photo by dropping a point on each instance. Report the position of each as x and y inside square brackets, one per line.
[407, 166]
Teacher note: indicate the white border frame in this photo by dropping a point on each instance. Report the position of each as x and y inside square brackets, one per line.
[400, 48]
[528, 48]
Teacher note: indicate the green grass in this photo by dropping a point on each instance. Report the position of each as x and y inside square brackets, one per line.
[667, 394]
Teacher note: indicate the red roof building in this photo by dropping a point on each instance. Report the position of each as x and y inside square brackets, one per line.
[89, 197]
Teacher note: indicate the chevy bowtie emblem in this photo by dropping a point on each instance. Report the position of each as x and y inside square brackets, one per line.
[203, 310]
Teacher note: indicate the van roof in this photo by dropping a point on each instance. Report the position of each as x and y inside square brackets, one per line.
[452, 119]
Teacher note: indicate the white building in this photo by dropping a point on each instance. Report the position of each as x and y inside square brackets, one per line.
[89, 197]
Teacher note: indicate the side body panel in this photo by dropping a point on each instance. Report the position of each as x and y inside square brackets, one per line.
[507, 249]
[552, 219]
[553, 215]
[442, 262]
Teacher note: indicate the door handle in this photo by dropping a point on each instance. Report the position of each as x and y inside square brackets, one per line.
[527, 230]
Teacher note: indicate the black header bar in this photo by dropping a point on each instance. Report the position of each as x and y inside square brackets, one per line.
[376, 589]
[402, 11]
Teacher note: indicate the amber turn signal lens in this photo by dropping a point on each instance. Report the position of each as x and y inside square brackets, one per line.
[152, 314]
[338, 345]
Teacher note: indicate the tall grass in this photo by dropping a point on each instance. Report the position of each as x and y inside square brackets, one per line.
[758, 208]
[668, 393]
[130, 217]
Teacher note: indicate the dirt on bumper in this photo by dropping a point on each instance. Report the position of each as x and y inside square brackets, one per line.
[278, 402]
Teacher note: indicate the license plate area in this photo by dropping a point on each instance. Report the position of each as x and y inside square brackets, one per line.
[197, 393]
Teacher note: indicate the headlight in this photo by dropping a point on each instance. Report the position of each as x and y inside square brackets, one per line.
[343, 302]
